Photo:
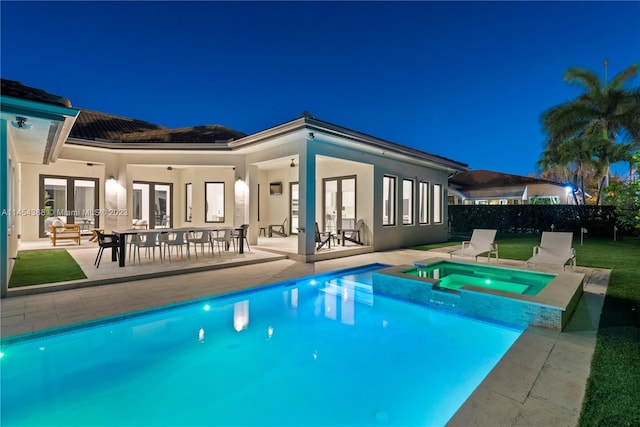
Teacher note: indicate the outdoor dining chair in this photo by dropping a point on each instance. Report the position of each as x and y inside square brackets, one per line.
[201, 237]
[175, 239]
[225, 238]
[245, 231]
[106, 241]
[148, 241]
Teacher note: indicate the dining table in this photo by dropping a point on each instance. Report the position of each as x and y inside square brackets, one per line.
[123, 233]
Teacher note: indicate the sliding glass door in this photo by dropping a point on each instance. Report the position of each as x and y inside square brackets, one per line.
[339, 203]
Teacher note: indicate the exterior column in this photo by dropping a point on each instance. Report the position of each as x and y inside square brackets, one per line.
[4, 241]
[307, 212]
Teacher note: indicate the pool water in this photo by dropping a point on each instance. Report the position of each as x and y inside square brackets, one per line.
[321, 350]
[455, 275]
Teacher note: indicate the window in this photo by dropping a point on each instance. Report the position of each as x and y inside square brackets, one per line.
[388, 200]
[437, 203]
[423, 188]
[214, 201]
[407, 201]
[188, 214]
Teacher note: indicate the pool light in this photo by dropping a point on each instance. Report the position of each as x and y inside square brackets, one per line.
[207, 307]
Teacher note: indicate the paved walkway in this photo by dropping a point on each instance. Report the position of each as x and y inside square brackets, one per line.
[540, 381]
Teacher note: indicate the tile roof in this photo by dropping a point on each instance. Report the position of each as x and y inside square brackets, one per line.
[485, 178]
[94, 125]
[18, 90]
[207, 133]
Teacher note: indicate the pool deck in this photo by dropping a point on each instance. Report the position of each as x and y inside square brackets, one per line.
[540, 381]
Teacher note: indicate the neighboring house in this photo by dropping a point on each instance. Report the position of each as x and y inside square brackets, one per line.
[483, 187]
[107, 171]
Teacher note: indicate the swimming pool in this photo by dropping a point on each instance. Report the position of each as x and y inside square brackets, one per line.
[451, 275]
[322, 350]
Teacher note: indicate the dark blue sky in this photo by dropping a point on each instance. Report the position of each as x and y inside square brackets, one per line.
[464, 80]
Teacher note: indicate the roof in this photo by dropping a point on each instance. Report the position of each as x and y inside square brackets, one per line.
[485, 178]
[18, 90]
[368, 142]
[95, 125]
[207, 133]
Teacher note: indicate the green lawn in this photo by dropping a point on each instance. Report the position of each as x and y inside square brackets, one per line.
[44, 266]
[613, 389]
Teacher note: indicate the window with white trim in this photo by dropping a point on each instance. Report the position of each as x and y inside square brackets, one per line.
[437, 203]
[388, 200]
[407, 201]
[423, 191]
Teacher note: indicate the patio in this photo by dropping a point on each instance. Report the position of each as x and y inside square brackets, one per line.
[268, 249]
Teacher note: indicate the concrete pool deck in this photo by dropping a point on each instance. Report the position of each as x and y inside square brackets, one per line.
[540, 381]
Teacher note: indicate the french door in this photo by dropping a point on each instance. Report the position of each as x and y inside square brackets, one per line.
[72, 199]
[152, 202]
[294, 206]
[339, 203]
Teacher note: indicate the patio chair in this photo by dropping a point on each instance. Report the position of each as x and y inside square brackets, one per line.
[225, 237]
[58, 230]
[555, 249]
[147, 241]
[106, 241]
[323, 238]
[202, 237]
[279, 229]
[482, 242]
[353, 234]
[174, 238]
[245, 231]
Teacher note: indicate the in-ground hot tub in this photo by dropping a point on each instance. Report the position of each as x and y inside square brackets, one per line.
[523, 297]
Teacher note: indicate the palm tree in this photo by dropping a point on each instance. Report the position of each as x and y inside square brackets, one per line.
[574, 156]
[593, 122]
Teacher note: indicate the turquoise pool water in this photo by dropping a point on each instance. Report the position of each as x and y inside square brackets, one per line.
[454, 275]
[321, 350]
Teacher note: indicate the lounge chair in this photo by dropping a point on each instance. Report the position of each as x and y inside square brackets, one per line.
[353, 234]
[482, 242]
[58, 230]
[555, 249]
[323, 238]
[279, 229]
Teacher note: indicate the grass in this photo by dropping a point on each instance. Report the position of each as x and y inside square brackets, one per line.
[611, 397]
[44, 266]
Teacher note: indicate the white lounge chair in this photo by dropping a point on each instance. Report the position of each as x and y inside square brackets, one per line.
[555, 249]
[482, 242]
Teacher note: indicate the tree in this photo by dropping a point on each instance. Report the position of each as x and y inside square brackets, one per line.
[584, 132]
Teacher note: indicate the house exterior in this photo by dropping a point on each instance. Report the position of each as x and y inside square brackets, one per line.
[106, 171]
[483, 187]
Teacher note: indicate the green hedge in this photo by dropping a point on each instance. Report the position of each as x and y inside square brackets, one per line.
[598, 220]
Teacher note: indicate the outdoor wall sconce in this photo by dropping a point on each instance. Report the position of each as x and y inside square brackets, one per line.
[112, 178]
[293, 163]
[311, 135]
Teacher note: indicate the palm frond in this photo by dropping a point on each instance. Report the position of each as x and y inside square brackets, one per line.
[624, 75]
[585, 77]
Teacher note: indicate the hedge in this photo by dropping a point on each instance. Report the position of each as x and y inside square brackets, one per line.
[599, 221]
